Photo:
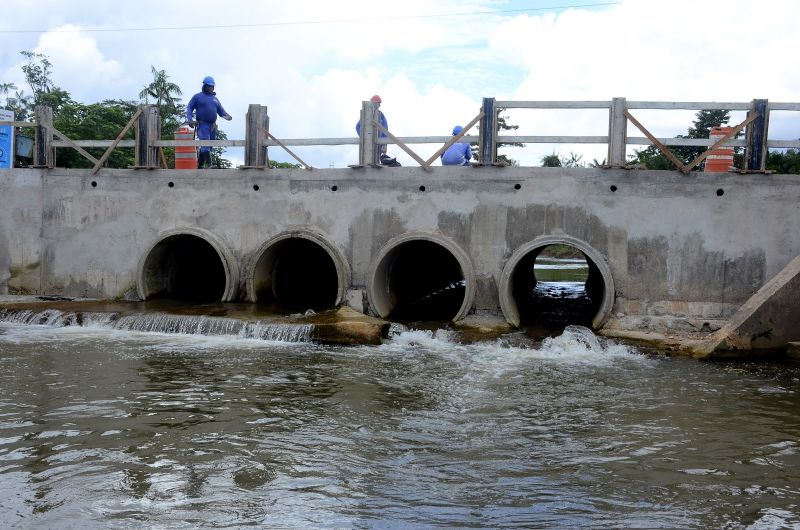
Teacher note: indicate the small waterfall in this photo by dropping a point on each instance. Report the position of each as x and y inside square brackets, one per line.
[277, 332]
[183, 324]
[163, 323]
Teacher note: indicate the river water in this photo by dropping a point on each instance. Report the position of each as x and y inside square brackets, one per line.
[115, 428]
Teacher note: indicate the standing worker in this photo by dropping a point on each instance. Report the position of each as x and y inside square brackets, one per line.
[457, 154]
[381, 119]
[207, 107]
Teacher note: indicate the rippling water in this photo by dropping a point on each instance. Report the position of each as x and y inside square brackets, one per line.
[113, 428]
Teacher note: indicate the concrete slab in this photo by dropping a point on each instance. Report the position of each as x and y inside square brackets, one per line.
[767, 321]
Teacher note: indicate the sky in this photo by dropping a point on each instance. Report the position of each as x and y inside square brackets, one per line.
[312, 63]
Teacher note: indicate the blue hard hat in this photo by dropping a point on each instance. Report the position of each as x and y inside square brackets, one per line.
[457, 129]
[208, 80]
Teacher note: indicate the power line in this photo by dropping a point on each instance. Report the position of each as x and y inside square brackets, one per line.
[307, 22]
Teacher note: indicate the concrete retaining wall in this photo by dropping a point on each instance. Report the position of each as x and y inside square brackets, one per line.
[692, 247]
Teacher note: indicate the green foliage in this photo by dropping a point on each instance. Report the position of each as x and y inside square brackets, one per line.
[5, 88]
[165, 96]
[283, 165]
[559, 250]
[555, 160]
[37, 72]
[551, 160]
[217, 152]
[787, 162]
[97, 121]
[502, 125]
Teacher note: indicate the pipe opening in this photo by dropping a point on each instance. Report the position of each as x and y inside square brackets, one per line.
[296, 274]
[419, 280]
[557, 285]
[184, 267]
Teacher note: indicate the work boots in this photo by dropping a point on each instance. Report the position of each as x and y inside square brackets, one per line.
[204, 160]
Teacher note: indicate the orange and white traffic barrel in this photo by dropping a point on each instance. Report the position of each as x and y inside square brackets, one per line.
[185, 155]
[719, 160]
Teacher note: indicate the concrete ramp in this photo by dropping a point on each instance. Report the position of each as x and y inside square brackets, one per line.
[769, 320]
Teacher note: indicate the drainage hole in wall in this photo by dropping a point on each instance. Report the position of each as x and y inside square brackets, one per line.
[422, 188]
[517, 186]
[613, 188]
[171, 184]
[255, 187]
[720, 192]
[94, 183]
[334, 188]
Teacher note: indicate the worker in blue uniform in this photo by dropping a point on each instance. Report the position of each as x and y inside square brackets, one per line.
[381, 119]
[457, 154]
[206, 107]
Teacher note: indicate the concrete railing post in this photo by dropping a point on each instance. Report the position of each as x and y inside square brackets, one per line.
[487, 134]
[148, 130]
[617, 133]
[368, 148]
[256, 129]
[755, 157]
[44, 154]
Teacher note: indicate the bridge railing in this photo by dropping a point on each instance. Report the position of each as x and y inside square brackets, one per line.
[148, 143]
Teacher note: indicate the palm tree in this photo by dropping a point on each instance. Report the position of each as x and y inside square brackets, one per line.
[163, 91]
[5, 88]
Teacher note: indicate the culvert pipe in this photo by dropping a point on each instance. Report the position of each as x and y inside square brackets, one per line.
[298, 270]
[188, 264]
[421, 277]
[517, 277]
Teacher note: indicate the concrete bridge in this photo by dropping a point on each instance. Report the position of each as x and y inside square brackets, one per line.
[666, 250]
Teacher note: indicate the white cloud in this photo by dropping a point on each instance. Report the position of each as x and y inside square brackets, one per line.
[79, 66]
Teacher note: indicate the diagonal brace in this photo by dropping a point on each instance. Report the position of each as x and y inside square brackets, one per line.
[702, 156]
[113, 145]
[455, 138]
[661, 147]
[75, 146]
[272, 137]
[404, 147]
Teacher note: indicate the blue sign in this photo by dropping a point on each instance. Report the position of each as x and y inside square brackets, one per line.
[6, 140]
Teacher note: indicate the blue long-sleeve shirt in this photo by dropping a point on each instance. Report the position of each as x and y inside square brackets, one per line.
[381, 120]
[457, 154]
[206, 106]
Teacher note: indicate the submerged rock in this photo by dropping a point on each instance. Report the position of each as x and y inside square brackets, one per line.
[347, 326]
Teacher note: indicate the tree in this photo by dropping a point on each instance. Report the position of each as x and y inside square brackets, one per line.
[5, 88]
[170, 109]
[161, 89]
[652, 158]
[551, 160]
[555, 160]
[37, 74]
[96, 121]
[784, 162]
[502, 125]
[217, 152]
[165, 93]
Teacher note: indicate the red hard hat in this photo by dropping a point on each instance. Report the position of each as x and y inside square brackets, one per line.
[376, 99]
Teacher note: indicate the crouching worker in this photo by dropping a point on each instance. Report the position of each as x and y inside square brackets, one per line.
[457, 154]
[206, 107]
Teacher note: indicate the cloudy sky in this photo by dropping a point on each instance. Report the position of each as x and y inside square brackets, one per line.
[313, 62]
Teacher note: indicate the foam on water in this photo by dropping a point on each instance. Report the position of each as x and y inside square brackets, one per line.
[576, 344]
[153, 323]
